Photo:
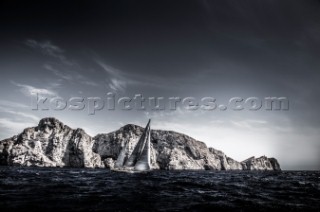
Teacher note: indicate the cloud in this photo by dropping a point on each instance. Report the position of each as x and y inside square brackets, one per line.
[29, 90]
[71, 76]
[84, 80]
[16, 119]
[15, 126]
[25, 115]
[249, 123]
[58, 73]
[116, 81]
[64, 64]
[21, 114]
[117, 85]
[49, 49]
[12, 104]
[90, 83]
[110, 70]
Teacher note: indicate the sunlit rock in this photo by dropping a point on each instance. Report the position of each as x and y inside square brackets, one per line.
[53, 144]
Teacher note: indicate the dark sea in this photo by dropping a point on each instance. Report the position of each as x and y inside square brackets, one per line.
[64, 189]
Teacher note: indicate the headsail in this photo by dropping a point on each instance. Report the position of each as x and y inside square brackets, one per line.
[139, 159]
[122, 156]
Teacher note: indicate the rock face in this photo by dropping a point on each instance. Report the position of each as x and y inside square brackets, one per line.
[173, 151]
[54, 144]
[50, 144]
[262, 163]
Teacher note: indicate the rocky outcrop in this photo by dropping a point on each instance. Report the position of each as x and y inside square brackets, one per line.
[171, 151]
[226, 162]
[50, 144]
[262, 163]
[54, 144]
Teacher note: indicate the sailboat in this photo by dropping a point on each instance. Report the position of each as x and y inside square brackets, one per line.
[139, 160]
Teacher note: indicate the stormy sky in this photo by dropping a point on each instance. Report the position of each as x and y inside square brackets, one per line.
[219, 49]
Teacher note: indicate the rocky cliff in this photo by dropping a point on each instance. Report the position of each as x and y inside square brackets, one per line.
[50, 144]
[262, 163]
[54, 144]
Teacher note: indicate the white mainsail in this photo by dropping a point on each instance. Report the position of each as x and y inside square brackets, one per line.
[143, 162]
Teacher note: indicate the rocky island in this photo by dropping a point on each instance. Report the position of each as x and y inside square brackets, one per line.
[54, 144]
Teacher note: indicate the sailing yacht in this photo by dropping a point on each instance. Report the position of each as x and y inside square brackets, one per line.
[139, 160]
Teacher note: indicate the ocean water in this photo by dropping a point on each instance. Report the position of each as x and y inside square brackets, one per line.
[67, 189]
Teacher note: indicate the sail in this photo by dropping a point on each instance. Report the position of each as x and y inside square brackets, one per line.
[139, 149]
[122, 156]
[143, 162]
